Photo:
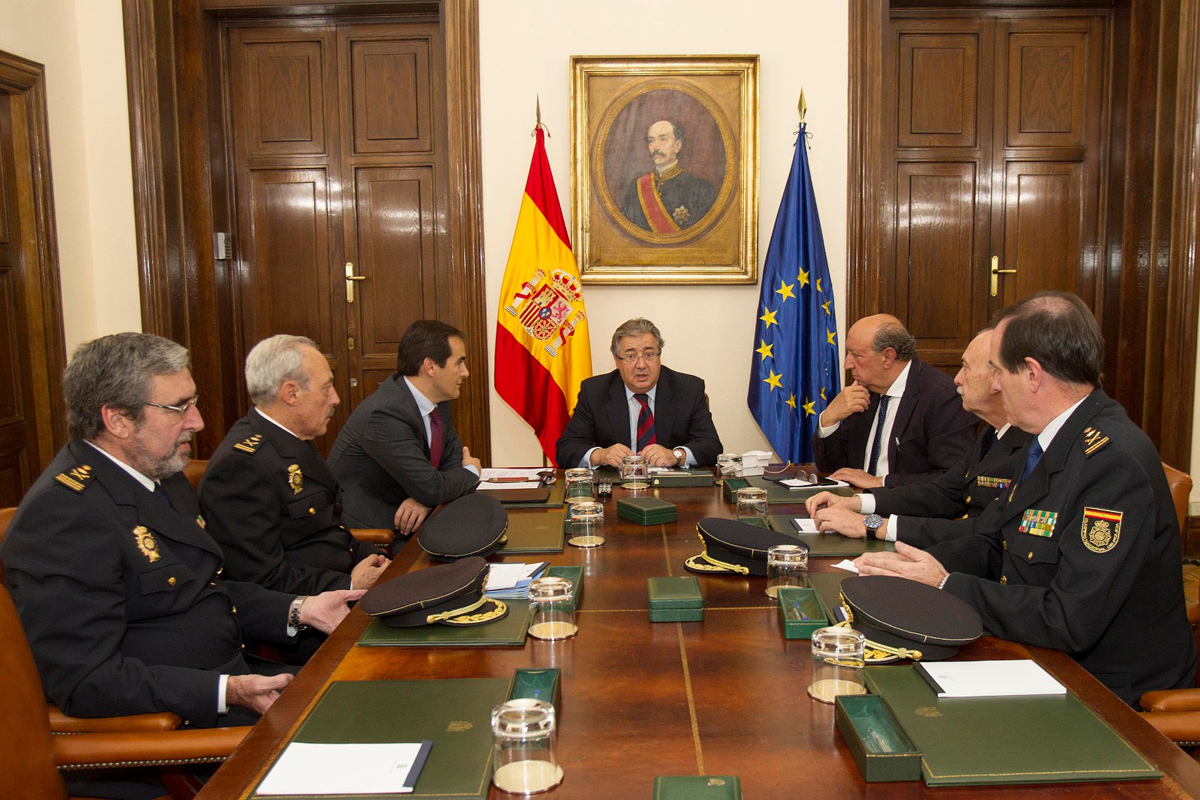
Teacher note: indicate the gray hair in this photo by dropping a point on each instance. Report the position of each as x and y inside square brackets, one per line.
[273, 362]
[635, 327]
[898, 338]
[115, 371]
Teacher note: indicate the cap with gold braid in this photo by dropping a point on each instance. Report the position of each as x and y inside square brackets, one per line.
[735, 548]
[446, 594]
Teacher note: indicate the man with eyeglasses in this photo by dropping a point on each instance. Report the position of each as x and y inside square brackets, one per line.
[640, 407]
[118, 584]
[270, 499]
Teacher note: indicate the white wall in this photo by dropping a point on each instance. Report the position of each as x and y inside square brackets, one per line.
[525, 50]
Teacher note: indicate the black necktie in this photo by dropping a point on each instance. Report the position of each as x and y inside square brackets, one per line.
[1032, 457]
[877, 445]
[989, 441]
[161, 493]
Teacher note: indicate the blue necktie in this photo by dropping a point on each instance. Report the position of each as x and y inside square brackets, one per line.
[878, 443]
[1032, 458]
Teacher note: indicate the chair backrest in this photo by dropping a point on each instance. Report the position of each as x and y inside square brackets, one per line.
[6, 515]
[194, 471]
[26, 751]
[1181, 490]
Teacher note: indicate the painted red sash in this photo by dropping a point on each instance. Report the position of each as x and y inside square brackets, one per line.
[656, 213]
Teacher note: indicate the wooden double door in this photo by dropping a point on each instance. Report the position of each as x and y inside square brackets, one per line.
[338, 163]
[993, 127]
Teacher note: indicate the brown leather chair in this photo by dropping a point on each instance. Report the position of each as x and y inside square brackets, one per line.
[194, 471]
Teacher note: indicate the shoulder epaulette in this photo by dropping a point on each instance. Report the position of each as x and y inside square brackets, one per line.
[1093, 440]
[249, 445]
[76, 478]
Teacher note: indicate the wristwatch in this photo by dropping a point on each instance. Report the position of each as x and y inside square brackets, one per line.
[680, 455]
[294, 614]
[873, 522]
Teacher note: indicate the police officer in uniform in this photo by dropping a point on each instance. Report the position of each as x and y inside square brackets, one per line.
[1083, 554]
[922, 514]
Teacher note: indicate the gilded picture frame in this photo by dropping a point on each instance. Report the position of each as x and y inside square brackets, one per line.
[664, 161]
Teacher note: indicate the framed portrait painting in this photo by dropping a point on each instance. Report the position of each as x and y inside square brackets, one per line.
[664, 159]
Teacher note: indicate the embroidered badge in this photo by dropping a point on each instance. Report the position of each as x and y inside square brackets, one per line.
[76, 478]
[1038, 523]
[1093, 440]
[200, 522]
[459, 726]
[1101, 529]
[927, 711]
[249, 445]
[993, 483]
[296, 478]
[145, 542]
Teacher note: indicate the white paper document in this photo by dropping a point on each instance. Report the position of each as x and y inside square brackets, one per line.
[510, 478]
[988, 678]
[337, 769]
[511, 576]
[847, 565]
[805, 525]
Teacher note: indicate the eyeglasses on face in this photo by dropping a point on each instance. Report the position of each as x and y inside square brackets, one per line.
[649, 355]
[180, 410]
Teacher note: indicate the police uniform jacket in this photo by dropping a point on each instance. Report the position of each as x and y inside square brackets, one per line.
[1084, 556]
[931, 433]
[601, 418]
[949, 506]
[120, 593]
[275, 508]
[381, 458]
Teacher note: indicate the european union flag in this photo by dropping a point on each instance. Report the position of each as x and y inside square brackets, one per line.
[795, 371]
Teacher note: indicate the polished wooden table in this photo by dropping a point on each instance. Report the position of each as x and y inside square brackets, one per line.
[722, 696]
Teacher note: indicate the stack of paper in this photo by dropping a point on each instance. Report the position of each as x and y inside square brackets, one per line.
[511, 581]
[513, 478]
[754, 462]
[805, 525]
[346, 769]
[988, 678]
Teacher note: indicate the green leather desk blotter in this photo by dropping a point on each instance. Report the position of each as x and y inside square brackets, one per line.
[509, 631]
[1005, 740]
[647, 510]
[880, 748]
[828, 586]
[533, 530]
[828, 545]
[572, 573]
[695, 476]
[697, 787]
[777, 492]
[800, 612]
[538, 684]
[675, 599]
[532, 498]
[454, 714]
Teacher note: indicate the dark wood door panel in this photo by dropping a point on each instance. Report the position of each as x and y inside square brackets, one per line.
[949, 116]
[1042, 225]
[279, 88]
[391, 93]
[1051, 82]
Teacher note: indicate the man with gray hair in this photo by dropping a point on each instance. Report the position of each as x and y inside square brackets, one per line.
[900, 421]
[640, 407]
[119, 586]
[269, 498]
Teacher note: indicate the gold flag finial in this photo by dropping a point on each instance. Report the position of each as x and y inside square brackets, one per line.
[539, 109]
[802, 107]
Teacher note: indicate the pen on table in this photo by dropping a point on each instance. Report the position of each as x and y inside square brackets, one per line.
[799, 612]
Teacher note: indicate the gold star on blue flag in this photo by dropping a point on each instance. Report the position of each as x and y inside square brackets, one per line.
[800, 336]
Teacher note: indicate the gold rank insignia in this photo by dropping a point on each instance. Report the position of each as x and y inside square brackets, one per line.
[76, 478]
[296, 478]
[1093, 440]
[145, 542]
[993, 483]
[1038, 523]
[249, 445]
[1101, 529]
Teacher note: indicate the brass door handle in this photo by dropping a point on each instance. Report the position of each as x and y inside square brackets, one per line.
[996, 272]
[351, 278]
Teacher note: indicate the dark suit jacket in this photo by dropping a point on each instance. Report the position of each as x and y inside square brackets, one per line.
[601, 418]
[1101, 577]
[285, 535]
[381, 458]
[949, 506]
[120, 597]
[931, 434]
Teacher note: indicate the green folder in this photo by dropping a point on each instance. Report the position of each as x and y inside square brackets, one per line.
[828, 545]
[1005, 740]
[454, 714]
[572, 573]
[554, 501]
[509, 631]
[536, 530]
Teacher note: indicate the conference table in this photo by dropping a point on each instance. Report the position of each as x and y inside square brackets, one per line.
[724, 696]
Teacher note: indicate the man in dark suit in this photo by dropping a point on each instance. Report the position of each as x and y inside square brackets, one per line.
[270, 500]
[117, 583]
[900, 421]
[1083, 552]
[922, 514]
[640, 407]
[398, 456]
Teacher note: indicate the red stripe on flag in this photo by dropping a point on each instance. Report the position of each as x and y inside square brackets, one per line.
[530, 389]
[540, 188]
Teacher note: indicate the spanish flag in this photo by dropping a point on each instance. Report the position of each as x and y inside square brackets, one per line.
[542, 347]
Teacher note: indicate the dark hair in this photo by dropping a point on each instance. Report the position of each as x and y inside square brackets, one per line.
[425, 338]
[897, 337]
[1057, 330]
[115, 371]
[635, 327]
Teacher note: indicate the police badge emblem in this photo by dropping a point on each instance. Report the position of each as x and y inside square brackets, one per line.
[296, 478]
[1101, 529]
[145, 543]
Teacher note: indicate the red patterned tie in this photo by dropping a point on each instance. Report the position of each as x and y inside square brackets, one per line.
[645, 425]
[435, 437]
